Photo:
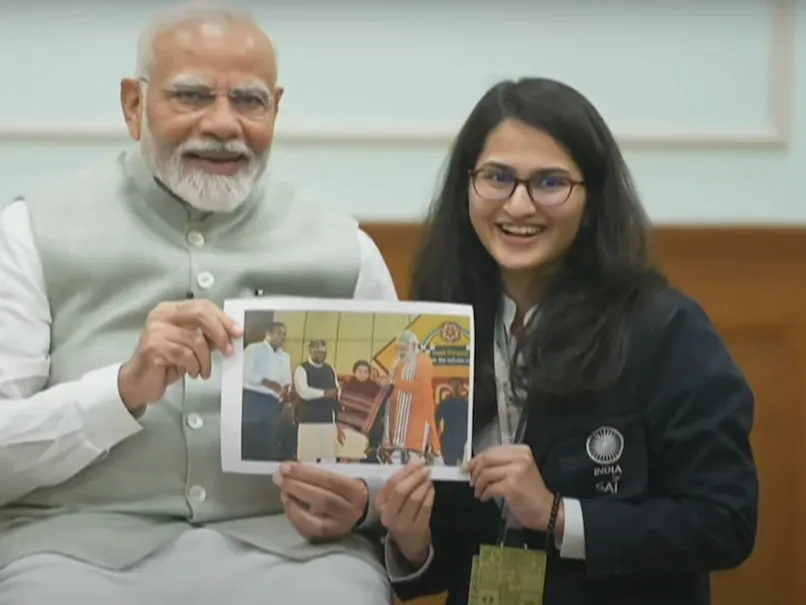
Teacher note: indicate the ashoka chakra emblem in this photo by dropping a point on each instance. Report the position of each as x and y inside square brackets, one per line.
[605, 445]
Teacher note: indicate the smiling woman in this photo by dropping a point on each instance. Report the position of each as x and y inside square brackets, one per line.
[596, 384]
[526, 200]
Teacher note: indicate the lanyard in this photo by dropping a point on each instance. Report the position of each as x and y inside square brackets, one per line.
[505, 396]
[505, 401]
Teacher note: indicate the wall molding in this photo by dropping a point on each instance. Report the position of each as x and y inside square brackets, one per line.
[689, 241]
[775, 135]
[759, 250]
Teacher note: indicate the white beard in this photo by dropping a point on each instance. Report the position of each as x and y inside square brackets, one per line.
[409, 357]
[204, 191]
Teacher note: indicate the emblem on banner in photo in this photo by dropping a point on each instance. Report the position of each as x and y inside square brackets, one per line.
[605, 446]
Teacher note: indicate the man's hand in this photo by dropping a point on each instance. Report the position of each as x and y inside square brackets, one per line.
[385, 451]
[176, 341]
[332, 393]
[273, 385]
[321, 505]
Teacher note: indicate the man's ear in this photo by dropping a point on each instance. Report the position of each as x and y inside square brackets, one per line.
[131, 103]
[278, 94]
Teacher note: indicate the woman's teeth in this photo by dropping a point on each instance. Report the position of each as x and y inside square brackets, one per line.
[522, 230]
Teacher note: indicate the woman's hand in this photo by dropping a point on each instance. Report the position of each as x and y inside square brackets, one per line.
[404, 506]
[510, 472]
[320, 504]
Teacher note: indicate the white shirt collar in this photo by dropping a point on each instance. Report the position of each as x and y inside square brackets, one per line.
[508, 311]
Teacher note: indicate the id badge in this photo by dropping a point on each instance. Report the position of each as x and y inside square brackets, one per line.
[502, 575]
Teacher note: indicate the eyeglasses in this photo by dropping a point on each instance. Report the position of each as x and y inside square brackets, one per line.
[547, 189]
[251, 103]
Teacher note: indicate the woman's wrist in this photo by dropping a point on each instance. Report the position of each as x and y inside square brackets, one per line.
[559, 525]
[541, 517]
[415, 554]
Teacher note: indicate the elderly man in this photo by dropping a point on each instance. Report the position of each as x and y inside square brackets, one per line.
[111, 336]
[410, 429]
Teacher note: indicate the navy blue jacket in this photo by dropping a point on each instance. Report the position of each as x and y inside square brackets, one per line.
[687, 497]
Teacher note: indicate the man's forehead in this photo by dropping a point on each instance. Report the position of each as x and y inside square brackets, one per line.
[210, 51]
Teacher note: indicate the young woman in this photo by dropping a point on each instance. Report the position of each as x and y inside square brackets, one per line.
[611, 426]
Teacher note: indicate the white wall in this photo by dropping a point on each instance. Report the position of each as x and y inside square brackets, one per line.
[708, 98]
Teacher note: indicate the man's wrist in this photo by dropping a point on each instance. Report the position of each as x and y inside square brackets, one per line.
[125, 391]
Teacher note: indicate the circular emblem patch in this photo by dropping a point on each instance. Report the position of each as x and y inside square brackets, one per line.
[450, 332]
[605, 445]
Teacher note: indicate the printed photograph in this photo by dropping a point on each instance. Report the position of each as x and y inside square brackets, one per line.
[364, 387]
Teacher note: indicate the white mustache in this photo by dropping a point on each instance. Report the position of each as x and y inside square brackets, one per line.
[235, 146]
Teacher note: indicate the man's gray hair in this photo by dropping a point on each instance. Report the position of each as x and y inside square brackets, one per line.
[409, 337]
[204, 11]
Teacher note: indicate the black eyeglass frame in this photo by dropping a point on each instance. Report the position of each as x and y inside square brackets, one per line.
[517, 182]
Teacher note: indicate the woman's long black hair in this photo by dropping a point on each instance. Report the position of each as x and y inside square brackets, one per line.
[577, 343]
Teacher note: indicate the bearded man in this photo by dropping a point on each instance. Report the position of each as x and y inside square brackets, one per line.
[111, 337]
[410, 428]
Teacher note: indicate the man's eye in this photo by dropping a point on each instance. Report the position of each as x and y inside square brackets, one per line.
[248, 100]
[191, 96]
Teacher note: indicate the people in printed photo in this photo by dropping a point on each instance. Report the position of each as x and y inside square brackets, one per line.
[316, 384]
[452, 422]
[267, 381]
[410, 429]
[358, 388]
[375, 453]
[287, 427]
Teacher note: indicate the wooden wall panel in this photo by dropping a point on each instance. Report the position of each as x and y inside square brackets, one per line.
[752, 282]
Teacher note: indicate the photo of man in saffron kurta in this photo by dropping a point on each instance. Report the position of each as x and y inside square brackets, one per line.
[366, 387]
[410, 428]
